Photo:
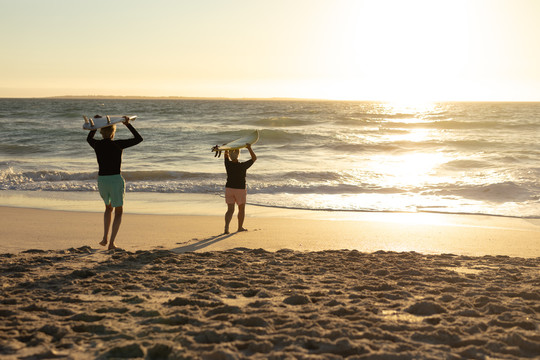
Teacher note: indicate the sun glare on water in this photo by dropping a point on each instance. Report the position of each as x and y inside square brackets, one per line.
[409, 169]
[411, 165]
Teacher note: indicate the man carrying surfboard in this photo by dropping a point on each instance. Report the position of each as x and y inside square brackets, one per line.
[111, 184]
[235, 189]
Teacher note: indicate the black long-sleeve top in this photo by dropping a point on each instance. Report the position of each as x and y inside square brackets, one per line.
[109, 152]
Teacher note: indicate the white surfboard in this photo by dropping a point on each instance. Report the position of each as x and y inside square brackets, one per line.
[251, 139]
[107, 120]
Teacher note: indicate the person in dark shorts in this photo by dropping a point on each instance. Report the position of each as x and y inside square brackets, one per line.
[111, 184]
[235, 189]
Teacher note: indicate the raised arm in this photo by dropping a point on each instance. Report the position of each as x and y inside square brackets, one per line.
[90, 138]
[137, 136]
[253, 156]
[129, 142]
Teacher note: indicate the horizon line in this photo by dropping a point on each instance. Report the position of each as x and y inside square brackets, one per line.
[276, 98]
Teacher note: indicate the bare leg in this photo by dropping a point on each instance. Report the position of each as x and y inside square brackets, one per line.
[118, 211]
[241, 216]
[106, 224]
[228, 217]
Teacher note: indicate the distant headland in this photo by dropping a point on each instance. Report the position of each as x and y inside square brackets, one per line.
[120, 97]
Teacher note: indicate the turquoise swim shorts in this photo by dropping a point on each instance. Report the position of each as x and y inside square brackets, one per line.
[112, 189]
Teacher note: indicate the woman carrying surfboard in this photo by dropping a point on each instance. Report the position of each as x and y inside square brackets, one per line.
[111, 184]
[235, 189]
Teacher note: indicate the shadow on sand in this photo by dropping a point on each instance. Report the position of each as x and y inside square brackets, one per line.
[201, 244]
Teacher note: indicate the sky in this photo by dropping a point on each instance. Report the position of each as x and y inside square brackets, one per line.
[398, 50]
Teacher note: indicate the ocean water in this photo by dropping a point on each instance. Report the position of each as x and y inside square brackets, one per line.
[464, 158]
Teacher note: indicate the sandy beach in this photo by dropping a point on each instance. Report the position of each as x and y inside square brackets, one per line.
[383, 286]
[269, 228]
[392, 212]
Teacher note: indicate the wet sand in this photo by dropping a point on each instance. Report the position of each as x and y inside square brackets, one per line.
[25, 228]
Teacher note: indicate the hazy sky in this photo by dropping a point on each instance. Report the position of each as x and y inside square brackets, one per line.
[335, 49]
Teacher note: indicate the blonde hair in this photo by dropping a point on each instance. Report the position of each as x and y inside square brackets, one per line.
[108, 131]
[233, 154]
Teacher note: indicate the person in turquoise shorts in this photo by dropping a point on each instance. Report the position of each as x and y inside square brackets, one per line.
[111, 184]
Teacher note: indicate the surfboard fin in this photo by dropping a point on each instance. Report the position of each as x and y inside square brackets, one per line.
[216, 150]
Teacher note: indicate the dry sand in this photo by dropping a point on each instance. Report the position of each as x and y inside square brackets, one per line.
[180, 291]
[83, 303]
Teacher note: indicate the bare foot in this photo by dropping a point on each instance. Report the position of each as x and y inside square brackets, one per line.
[103, 242]
[112, 247]
[226, 232]
[242, 229]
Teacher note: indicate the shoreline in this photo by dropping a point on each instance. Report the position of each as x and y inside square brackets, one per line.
[156, 203]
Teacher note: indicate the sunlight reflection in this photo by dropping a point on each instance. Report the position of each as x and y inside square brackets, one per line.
[416, 218]
[413, 135]
[419, 108]
[408, 169]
